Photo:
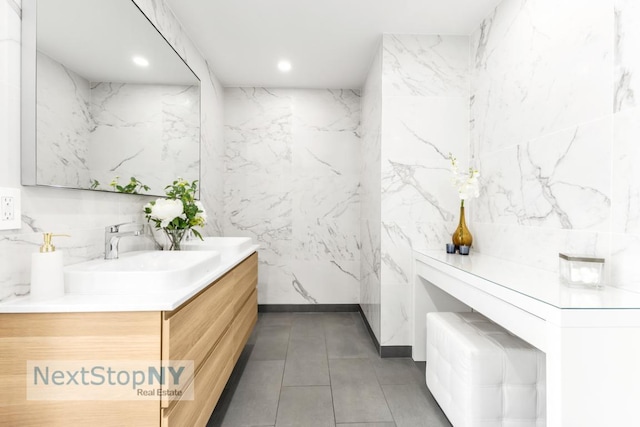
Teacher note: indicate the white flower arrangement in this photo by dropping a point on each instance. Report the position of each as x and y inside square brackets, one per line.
[179, 211]
[467, 184]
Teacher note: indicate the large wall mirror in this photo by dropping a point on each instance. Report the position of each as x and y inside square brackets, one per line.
[104, 96]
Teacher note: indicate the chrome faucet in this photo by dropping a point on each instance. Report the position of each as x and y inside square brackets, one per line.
[112, 236]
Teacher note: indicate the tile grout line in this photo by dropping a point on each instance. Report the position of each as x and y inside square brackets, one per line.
[326, 354]
[284, 366]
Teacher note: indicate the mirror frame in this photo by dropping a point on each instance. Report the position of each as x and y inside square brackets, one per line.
[28, 92]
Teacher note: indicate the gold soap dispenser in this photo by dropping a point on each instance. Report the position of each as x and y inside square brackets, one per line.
[47, 276]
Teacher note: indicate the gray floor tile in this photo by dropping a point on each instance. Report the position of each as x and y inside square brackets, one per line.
[307, 346]
[352, 371]
[305, 406]
[275, 319]
[271, 343]
[302, 368]
[347, 343]
[306, 371]
[262, 372]
[367, 425]
[256, 405]
[360, 403]
[338, 319]
[307, 325]
[413, 406]
[397, 371]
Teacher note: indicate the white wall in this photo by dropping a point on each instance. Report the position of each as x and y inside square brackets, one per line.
[84, 214]
[291, 182]
[420, 90]
[555, 132]
[91, 131]
[370, 198]
[425, 116]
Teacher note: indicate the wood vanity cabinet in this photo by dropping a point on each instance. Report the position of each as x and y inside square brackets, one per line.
[211, 329]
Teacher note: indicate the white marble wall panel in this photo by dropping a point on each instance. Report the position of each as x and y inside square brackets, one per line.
[626, 174]
[64, 125]
[555, 128]
[627, 61]
[425, 117]
[418, 65]
[146, 131]
[540, 66]
[212, 151]
[84, 214]
[370, 195]
[291, 183]
[561, 180]
[9, 92]
[396, 312]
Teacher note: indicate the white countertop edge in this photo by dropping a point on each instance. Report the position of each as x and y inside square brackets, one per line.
[166, 301]
[545, 290]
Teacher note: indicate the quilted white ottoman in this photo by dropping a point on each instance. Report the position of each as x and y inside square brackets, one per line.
[481, 375]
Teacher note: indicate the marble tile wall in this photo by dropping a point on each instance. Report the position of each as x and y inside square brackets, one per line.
[415, 109]
[370, 195]
[147, 131]
[63, 114]
[291, 182]
[84, 214]
[95, 131]
[425, 116]
[554, 130]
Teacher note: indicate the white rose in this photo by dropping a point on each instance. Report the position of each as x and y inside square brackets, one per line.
[166, 210]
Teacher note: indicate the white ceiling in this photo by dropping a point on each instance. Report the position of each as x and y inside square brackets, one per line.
[97, 39]
[330, 43]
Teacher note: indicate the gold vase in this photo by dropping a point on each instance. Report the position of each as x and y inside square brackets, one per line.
[462, 235]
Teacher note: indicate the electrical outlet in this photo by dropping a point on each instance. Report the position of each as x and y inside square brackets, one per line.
[7, 208]
[10, 209]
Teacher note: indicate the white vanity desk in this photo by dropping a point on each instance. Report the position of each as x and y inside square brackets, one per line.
[591, 337]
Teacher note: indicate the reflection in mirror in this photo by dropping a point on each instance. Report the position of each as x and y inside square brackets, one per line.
[109, 98]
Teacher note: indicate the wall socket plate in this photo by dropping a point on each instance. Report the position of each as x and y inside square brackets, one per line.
[10, 213]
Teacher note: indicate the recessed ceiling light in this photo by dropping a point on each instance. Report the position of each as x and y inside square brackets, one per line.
[284, 66]
[140, 61]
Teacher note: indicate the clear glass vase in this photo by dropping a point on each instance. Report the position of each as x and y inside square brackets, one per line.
[174, 238]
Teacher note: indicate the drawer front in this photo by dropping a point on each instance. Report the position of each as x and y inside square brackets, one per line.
[74, 336]
[243, 324]
[207, 387]
[190, 332]
[246, 277]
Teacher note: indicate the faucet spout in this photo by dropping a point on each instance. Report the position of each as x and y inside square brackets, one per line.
[112, 236]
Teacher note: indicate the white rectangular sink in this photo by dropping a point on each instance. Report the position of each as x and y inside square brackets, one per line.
[139, 273]
[227, 246]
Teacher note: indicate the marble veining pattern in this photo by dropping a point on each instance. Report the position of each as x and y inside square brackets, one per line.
[291, 183]
[84, 214]
[370, 195]
[553, 128]
[425, 116]
[562, 180]
[540, 68]
[114, 129]
[627, 61]
[416, 65]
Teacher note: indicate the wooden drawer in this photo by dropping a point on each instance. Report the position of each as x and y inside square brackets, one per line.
[243, 324]
[74, 336]
[192, 331]
[207, 387]
[246, 278]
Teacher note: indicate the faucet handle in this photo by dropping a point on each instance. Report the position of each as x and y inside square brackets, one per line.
[116, 227]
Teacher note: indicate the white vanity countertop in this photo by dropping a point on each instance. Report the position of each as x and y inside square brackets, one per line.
[544, 286]
[165, 301]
